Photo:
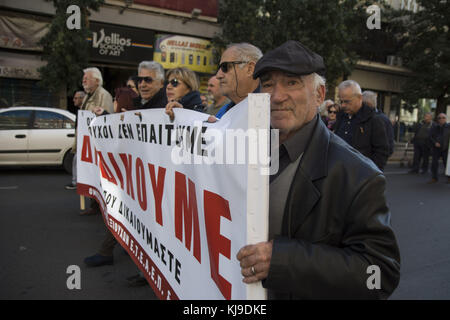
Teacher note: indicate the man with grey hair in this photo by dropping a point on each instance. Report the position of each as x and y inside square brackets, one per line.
[360, 126]
[328, 217]
[235, 73]
[97, 96]
[152, 93]
[370, 99]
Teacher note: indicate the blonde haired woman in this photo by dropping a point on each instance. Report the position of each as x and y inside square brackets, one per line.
[182, 90]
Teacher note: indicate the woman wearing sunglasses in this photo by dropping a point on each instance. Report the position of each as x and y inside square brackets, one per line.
[332, 113]
[182, 90]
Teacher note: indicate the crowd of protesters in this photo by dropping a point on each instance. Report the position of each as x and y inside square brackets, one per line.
[328, 230]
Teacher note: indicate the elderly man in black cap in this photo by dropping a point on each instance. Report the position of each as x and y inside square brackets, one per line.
[329, 224]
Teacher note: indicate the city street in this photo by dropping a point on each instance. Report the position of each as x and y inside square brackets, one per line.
[42, 234]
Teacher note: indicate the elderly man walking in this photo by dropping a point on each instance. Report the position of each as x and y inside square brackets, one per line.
[360, 126]
[96, 96]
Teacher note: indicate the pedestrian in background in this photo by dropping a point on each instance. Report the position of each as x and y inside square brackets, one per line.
[439, 137]
[96, 97]
[332, 111]
[360, 126]
[132, 83]
[422, 144]
[370, 99]
[77, 102]
[219, 100]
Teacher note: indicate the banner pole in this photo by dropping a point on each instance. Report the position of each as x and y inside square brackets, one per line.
[258, 180]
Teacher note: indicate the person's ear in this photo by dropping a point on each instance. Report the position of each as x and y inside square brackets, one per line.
[251, 68]
[320, 95]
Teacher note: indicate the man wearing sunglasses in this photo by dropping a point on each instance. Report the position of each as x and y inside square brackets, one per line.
[235, 74]
[152, 93]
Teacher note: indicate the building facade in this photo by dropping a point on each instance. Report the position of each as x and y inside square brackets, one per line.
[175, 33]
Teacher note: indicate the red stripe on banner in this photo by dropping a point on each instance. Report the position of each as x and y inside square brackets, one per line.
[154, 276]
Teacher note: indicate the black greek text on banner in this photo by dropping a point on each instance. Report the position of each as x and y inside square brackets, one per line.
[181, 197]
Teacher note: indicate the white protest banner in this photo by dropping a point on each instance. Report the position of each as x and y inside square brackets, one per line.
[181, 197]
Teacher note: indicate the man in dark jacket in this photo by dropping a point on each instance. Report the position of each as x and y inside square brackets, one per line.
[359, 125]
[439, 137]
[370, 99]
[421, 141]
[329, 224]
[152, 93]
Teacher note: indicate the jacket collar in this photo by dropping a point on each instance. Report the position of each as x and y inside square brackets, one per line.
[314, 159]
[313, 166]
[363, 114]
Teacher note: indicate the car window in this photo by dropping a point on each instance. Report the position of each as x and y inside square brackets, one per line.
[51, 120]
[14, 120]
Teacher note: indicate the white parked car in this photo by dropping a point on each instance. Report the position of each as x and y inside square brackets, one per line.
[36, 136]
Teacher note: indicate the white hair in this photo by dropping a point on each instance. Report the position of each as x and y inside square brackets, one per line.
[369, 98]
[318, 81]
[153, 66]
[96, 74]
[246, 52]
[356, 89]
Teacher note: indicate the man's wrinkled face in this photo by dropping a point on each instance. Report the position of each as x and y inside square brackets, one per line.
[350, 102]
[89, 82]
[148, 88]
[293, 100]
[234, 75]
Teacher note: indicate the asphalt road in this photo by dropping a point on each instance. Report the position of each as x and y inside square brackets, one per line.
[421, 221]
[42, 234]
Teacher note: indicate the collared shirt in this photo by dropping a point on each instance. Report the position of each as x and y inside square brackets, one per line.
[293, 147]
[291, 152]
[230, 105]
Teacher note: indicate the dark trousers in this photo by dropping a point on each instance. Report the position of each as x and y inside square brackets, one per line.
[421, 154]
[108, 244]
[437, 154]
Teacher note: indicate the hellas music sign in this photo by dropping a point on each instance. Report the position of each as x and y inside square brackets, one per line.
[120, 44]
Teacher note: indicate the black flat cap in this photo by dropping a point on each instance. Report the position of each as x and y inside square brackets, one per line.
[291, 57]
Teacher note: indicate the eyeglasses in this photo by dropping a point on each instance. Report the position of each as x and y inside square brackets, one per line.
[225, 66]
[174, 82]
[335, 112]
[146, 79]
[442, 118]
[131, 87]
